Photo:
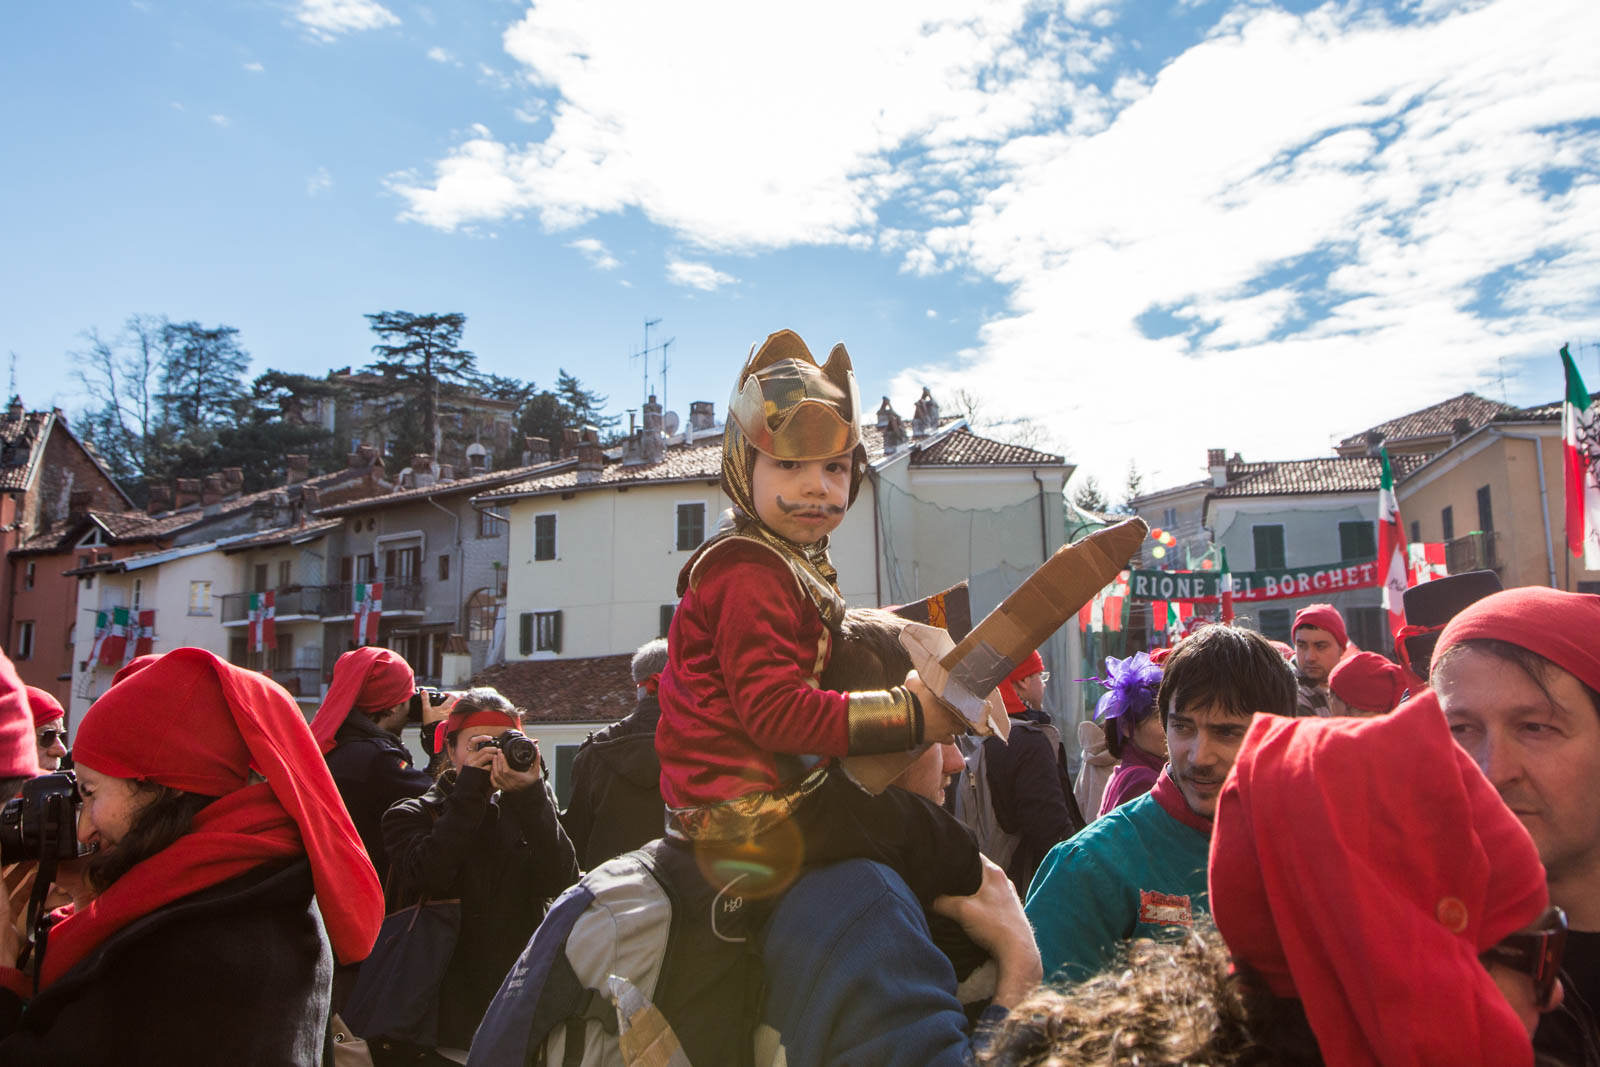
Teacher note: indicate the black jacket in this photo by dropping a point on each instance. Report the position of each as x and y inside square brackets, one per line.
[616, 788]
[231, 976]
[373, 770]
[1025, 785]
[503, 855]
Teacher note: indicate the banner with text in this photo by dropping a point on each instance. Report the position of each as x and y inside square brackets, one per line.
[1248, 586]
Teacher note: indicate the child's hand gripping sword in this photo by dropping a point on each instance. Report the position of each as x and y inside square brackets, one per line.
[964, 676]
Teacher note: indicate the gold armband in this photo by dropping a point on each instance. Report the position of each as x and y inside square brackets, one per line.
[884, 720]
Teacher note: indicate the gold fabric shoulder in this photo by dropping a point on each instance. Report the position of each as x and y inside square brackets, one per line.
[813, 585]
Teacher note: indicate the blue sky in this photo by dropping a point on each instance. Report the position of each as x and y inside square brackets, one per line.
[1143, 229]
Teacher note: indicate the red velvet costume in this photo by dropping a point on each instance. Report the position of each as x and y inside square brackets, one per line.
[745, 652]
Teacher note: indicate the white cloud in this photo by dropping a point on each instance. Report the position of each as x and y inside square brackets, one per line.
[319, 182]
[596, 253]
[326, 19]
[222, 120]
[701, 276]
[1292, 221]
[254, 68]
[442, 55]
[930, 313]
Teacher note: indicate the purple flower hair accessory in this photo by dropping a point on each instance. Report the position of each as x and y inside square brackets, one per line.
[1131, 692]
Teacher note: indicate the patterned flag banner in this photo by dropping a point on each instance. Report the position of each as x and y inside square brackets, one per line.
[102, 626]
[146, 643]
[116, 642]
[1391, 547]
[1580, 433]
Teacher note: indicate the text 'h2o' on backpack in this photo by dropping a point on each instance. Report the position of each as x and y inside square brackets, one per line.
[642, 962]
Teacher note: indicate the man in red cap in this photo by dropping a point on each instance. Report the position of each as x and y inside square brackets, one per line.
[1518, 677]
[1027, 783]
[49, 728]
[1364, 685]
[1319, 641]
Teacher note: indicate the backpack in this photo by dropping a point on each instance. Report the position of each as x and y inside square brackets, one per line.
[643, 961]
[974, 800]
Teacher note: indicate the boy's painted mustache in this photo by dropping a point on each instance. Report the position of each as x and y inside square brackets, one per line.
[826, 509]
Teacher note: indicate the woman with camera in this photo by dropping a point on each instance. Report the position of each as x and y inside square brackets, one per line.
[224, 870]
[486, 834]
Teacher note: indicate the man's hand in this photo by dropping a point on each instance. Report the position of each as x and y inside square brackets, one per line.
[994, 919]
[439, 712]
[940, 722]
[504, 778]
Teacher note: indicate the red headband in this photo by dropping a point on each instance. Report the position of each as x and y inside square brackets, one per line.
[476, 717]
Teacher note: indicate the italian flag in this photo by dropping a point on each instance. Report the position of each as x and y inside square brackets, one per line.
[146, 642]
[263, 625]
[369, 609]
[1392, 554]
[116, 641]
[1580, 432]
[102, 626]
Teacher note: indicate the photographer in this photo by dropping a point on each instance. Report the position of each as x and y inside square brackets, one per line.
[225, 868]
[486, 833]
[358, 727]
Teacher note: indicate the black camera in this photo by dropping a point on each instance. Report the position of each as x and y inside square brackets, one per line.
[42, 820]
[520, 749]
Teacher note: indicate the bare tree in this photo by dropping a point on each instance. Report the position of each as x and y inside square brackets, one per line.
[123, 418]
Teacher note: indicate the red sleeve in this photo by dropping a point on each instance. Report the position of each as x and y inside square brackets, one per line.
[761, 637]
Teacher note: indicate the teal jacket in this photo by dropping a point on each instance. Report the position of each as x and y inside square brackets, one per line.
[1139, 871]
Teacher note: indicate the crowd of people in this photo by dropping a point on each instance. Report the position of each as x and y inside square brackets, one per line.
[1268, 855]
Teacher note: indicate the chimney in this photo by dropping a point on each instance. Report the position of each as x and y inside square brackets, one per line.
[925, 416]
[188, 493]
[1460, 427]
[233, 479]
[535, 450]
[702, 416]
[79, 503]
[299, 468]
[590, 461]
[1217, 463]
[160, 500]
[652, 444]
[311, 497]
[446, 473]
[422, 474]
[16, 410]
[894, 430]
[361, 457]
[211, 490]
[885, 413]
[569, 443]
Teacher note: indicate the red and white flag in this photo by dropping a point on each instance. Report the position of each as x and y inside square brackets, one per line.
[146, 642]
[368, 611]
[263, 624]
[1392, 555]
[1580, 433]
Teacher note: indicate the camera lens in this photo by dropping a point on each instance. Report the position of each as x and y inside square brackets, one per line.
[520, 750]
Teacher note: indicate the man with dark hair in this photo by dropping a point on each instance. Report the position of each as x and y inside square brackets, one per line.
[1319, 639]
[616, 777]
[1140, 871]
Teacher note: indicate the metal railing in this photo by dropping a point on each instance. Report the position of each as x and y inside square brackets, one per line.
[320, 601]
[1476, 551]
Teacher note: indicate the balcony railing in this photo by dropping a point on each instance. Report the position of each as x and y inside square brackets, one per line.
[1477, 551]
[323, 601]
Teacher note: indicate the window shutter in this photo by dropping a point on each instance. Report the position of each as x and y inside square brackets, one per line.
[526, 643]
[666, 618]
[555, 632]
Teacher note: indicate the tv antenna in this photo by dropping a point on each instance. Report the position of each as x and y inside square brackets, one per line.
[663, 347]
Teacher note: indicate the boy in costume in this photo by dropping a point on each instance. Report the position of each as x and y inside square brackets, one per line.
[743, 719]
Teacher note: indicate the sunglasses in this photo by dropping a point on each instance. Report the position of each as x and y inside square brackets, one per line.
[1535, 952]
[48, 737]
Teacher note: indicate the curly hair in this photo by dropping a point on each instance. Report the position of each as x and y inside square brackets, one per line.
[1162, 1003]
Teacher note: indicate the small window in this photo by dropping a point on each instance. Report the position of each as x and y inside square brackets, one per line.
[285, 573]
[691, 526]
[27, 575]
[1485, 510]
[544, 537]
[1275, 624]
[23, 649]
[1169, 518]
[1357, 540]
[667, 611]
[364, 567]
[1416, 531]
[1447, 521]
[480, 616]
[489, 525]
[347, 569]
[138, 593]
[259, 579]
[1269, 547]
[199, 598]
[444, 568]
[525, 634]
[547, 631]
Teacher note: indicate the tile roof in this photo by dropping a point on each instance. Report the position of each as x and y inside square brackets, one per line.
[22, 439]
[593, 689]
[1550, 412]
[458, 485]
[1437, 419]
[123, 527]
[285, 535]
[963, 448]
[1328, 474]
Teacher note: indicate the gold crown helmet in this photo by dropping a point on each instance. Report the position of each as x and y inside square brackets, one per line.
[789, 408]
